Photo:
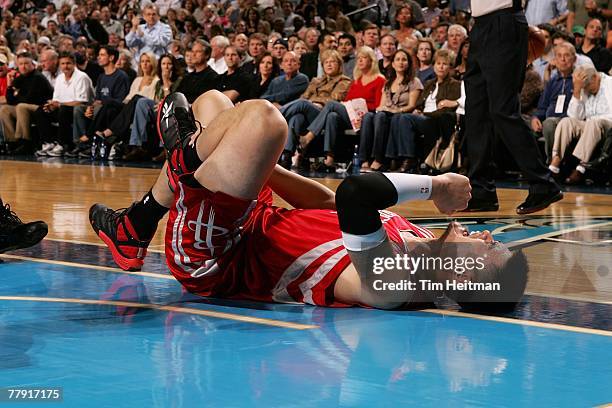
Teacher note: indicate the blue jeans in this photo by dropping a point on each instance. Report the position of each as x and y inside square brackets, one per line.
[333, 119]
[404, 131]
[298, 114]
[374, 135]
[80, 123]
[144, 113]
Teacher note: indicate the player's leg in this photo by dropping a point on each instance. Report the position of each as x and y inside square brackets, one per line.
[240, 149]
[128, 232]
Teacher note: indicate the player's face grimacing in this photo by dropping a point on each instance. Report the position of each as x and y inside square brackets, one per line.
[457, 242]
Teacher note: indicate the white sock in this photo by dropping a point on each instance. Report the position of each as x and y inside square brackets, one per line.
[554, 169]
[581, 168]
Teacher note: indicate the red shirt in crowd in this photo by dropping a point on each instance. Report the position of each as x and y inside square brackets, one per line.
[371, 92]
[3, 86]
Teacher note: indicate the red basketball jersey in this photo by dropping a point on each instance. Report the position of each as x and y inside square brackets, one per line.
[220, 246]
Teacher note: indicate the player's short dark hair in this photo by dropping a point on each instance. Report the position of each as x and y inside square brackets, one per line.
[512, 277]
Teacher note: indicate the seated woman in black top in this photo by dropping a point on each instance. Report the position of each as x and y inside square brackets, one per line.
[461, 65]
[268, 69]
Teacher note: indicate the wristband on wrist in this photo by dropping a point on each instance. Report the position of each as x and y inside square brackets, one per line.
[410, 186]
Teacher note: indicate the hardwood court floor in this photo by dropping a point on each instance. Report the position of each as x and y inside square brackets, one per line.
[573, 261]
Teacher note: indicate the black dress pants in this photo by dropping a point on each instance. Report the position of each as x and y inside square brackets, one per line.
[63, 116]
[104, 117]
[495, 73]
[120, 125]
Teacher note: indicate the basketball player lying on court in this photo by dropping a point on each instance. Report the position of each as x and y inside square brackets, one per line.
[225, 239]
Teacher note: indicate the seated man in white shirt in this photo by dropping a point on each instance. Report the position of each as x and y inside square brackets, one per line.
[589, 118]
[72, 88]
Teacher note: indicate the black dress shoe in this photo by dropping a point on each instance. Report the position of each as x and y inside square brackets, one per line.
[285, 159]
[161, 157]
[77, 149]
[21, 148]
[321, 167]
[481, 205]
[558, 177]
[381, 169]
[539, 201]
[600, 163]
[137, 154]
[574, 178]
[303, 163]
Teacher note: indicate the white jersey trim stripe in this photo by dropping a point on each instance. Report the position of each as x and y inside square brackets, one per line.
[307, 285]
[279, 293]
[423, 231]
[177, 236]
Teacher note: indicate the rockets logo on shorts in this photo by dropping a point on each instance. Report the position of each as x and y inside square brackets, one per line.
[210, 230]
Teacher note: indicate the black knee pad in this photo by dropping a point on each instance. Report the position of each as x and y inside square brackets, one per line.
[358, 199]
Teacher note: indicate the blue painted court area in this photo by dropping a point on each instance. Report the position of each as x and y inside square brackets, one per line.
[112, 339]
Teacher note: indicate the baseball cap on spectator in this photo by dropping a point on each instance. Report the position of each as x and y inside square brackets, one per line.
[3, 59]
[281, 42]
[578, 30]
[44, 40]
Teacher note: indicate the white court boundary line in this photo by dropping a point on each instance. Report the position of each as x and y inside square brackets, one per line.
[542, 325]
[98, 244]
[88, 266]
[165, 308]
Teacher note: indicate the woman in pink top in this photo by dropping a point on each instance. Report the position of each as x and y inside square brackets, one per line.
[334, 118]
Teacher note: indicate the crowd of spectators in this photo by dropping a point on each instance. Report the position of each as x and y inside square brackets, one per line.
[83, 78]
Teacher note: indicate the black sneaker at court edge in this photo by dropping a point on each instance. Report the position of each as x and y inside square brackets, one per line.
[15, 234]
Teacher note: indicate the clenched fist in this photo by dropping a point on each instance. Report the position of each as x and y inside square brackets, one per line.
[451, 192]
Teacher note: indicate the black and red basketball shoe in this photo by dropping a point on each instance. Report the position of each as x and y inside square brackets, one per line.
[116, 230]
[175, 126]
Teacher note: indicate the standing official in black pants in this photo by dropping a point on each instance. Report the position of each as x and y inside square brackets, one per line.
[495, 72]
